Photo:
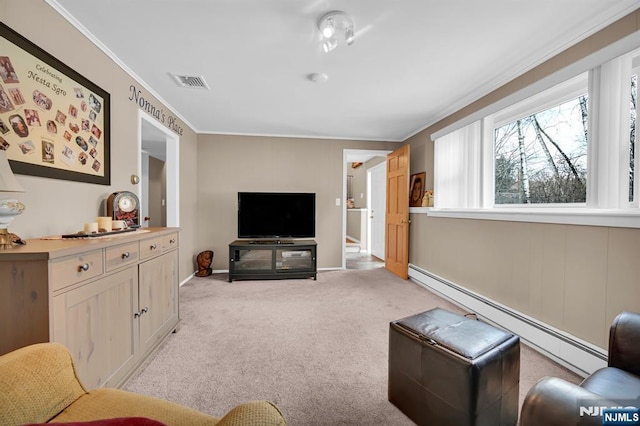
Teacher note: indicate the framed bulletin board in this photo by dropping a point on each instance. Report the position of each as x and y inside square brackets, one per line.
[54, 122]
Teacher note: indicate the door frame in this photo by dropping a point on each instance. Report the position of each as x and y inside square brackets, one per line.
[172, 165]
[347, 155]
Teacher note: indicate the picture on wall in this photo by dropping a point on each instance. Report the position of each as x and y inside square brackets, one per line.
[54, 122]
[416, 189]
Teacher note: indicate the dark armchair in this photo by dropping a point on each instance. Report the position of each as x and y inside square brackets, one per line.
[555, 402]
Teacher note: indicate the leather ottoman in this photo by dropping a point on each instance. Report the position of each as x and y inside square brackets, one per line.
[449, 370]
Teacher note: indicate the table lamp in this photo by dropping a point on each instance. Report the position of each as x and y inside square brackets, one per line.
[9, 207]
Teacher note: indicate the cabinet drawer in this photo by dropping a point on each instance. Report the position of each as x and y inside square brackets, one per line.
[121, 255]
[73, 269]
[170, 241]
[150, 247]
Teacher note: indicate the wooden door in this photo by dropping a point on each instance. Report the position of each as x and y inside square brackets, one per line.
[397, 214]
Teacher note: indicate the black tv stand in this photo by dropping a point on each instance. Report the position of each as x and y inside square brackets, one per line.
[273, 259]
[271, 242]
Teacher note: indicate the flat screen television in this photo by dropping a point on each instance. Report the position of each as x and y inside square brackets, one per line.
[276, 215]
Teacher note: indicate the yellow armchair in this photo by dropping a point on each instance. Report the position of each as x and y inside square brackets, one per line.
[39, 385]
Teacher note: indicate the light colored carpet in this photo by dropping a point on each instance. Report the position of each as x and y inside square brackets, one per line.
[318, 349]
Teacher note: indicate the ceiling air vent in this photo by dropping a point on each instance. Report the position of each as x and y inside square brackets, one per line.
[191, 81]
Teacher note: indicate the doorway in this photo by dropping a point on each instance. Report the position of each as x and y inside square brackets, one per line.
[358, 190]
[159, 174]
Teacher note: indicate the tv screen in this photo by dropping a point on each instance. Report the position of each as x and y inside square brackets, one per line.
[276, 215]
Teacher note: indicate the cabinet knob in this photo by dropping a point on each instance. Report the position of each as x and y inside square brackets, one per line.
[172, 241]
[141, 312]
[126, 255]
[83, 267]
[153, 246]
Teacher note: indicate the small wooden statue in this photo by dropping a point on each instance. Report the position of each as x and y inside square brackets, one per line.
[204, 263]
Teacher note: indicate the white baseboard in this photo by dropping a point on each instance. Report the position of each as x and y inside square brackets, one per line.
[187, 279]
[355, 240]
[576, 354]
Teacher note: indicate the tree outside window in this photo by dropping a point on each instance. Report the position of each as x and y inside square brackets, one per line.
[542, 158]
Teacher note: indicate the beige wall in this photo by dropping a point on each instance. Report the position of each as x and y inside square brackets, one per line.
[228, 164]
[58, 206]
[359, 187]
[356, 220]
[157, 192]
[576, 278]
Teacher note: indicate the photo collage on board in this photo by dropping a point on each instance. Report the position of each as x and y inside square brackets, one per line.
[48, 119]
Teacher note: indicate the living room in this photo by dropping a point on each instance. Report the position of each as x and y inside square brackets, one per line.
[565, 283]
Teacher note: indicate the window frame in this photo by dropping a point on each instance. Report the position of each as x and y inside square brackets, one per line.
[589, 213]
[550, 98]
[635, 70]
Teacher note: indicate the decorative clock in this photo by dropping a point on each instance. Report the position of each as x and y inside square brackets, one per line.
[124, 205]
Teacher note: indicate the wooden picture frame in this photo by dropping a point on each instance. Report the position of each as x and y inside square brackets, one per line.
[416, 189]
[54, 122]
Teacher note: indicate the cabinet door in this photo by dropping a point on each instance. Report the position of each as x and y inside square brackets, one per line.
[95, 322]
[252, 260]
[295, 259]
[158, 298]
[24, 304]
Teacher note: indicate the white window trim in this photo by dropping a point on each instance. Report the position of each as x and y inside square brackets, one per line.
[621, 218]
[636, 177]
[570, 216]
[550, 98]
[569, 90]
[599, 213]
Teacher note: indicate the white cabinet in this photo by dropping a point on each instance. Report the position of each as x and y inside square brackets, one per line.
[109, 301]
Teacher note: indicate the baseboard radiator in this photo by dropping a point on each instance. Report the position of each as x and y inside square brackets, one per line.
[575, 354]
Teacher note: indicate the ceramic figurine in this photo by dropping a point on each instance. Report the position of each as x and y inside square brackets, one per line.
[204, 263]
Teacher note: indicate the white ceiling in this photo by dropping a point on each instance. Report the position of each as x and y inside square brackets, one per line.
[413, 61]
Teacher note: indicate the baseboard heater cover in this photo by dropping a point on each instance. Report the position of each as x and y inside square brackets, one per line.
[577, 355]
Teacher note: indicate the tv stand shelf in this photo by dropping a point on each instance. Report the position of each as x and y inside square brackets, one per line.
[274, 259]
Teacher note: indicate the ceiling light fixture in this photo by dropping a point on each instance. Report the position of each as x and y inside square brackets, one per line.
[329, 45]
[328, 28]
[332, 24]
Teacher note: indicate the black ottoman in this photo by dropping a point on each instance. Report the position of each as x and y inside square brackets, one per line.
[449, 370]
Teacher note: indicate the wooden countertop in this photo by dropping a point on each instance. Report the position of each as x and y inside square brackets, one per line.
[51, 247]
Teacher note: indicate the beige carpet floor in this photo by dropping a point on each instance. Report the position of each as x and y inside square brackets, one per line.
[318, 349]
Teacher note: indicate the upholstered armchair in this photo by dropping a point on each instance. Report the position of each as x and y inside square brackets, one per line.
[39, 385]
[555, 402]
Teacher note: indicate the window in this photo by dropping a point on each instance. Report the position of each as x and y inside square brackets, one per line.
[569, 148]
[542, 157]
[632, 132]
[460, 174]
